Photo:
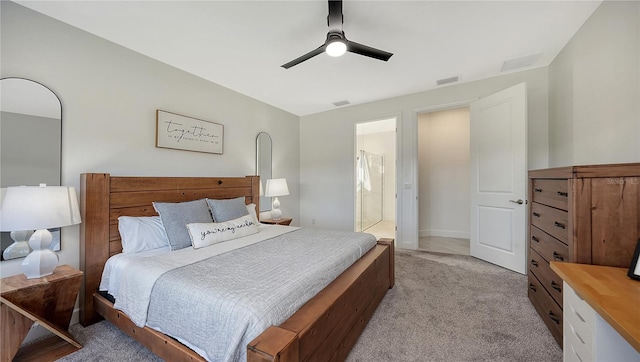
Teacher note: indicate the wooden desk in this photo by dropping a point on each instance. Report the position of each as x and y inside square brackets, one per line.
[49, 301]
[610, 292]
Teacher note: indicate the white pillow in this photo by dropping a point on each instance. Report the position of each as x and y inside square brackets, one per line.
[141, 233]
[252, 212]
[205, 234]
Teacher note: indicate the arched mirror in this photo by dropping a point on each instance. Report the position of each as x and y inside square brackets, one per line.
[30, 147]
[264, 147]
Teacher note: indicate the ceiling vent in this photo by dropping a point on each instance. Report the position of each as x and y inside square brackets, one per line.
[447, 80]
[526, 61]
[341, 103]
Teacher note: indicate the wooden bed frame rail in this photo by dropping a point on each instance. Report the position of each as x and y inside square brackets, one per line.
[325, 328]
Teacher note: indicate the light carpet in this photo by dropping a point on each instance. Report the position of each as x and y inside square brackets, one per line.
[442, 308]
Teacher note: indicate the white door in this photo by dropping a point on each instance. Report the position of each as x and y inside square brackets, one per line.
[499, 178]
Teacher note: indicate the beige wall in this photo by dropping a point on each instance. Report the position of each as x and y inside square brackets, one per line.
[444, 173]
[594, 90]
[109, 97]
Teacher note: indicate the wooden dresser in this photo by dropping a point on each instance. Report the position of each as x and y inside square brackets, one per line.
[579, 214]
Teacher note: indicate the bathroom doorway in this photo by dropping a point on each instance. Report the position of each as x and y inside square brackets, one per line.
[375, 178]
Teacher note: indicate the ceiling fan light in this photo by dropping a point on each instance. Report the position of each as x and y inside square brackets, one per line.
[336, 48]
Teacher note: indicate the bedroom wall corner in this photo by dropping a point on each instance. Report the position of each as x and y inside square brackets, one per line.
[594, 88]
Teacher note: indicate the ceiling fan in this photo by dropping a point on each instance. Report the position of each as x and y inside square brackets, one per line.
[336, 43]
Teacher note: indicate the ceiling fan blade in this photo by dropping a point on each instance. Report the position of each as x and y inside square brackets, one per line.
[368, 51]
[307, 56]
[335, 18]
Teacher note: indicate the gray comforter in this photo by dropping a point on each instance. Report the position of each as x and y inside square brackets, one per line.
[218, 305]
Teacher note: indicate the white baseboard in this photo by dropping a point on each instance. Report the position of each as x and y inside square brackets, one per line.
[445, 233]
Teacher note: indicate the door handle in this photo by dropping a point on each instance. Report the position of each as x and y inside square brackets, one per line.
[519, 201]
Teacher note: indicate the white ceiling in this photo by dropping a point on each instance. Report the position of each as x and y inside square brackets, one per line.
[242, 44]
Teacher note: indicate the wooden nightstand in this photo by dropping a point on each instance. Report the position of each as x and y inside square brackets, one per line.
[48, 301]
[283, 221]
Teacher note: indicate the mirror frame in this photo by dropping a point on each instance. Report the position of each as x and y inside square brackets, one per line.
[56, 231]
[265, 202]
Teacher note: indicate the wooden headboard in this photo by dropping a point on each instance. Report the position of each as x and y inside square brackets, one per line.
[104, 198]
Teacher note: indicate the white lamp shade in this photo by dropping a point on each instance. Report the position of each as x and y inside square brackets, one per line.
[38, 207]
[276, 187]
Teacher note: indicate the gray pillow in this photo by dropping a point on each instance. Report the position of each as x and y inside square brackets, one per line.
[225, 210]
[176, 216]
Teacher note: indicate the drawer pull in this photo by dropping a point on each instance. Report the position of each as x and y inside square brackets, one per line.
[537, 190]
[557, 256]
[577, 314]
[559, 224]
[536, 214]
[535, 238]
[556, 286]
[554, 318]
[565, 194]
[532, 287]
[534, 262]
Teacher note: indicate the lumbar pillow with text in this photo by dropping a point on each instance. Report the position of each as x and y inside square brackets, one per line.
[205, 234]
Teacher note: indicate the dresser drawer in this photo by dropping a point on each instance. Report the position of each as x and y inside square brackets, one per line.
[579, 326]
[551, 192]
[580, 309]
[550, 248]
[552, 221]
[581, 333]
[574, 350]
[549, 311]
[547, 277]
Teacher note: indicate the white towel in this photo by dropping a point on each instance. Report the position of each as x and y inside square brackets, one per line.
[363, 172]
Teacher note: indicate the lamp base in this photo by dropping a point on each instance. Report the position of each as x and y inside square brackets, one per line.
[276, 213]
[20, 247]
[42, 261]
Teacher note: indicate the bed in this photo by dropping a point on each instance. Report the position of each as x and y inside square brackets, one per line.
[324, 328]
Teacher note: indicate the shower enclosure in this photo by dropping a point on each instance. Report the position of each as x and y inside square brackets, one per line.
[369, 188]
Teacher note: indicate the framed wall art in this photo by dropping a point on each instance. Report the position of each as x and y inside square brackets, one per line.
[189, 134]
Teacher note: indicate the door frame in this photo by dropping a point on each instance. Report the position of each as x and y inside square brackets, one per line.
[412, 243]
[397, 168]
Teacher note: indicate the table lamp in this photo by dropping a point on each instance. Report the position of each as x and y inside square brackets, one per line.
[38, 208]
[276, 187]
